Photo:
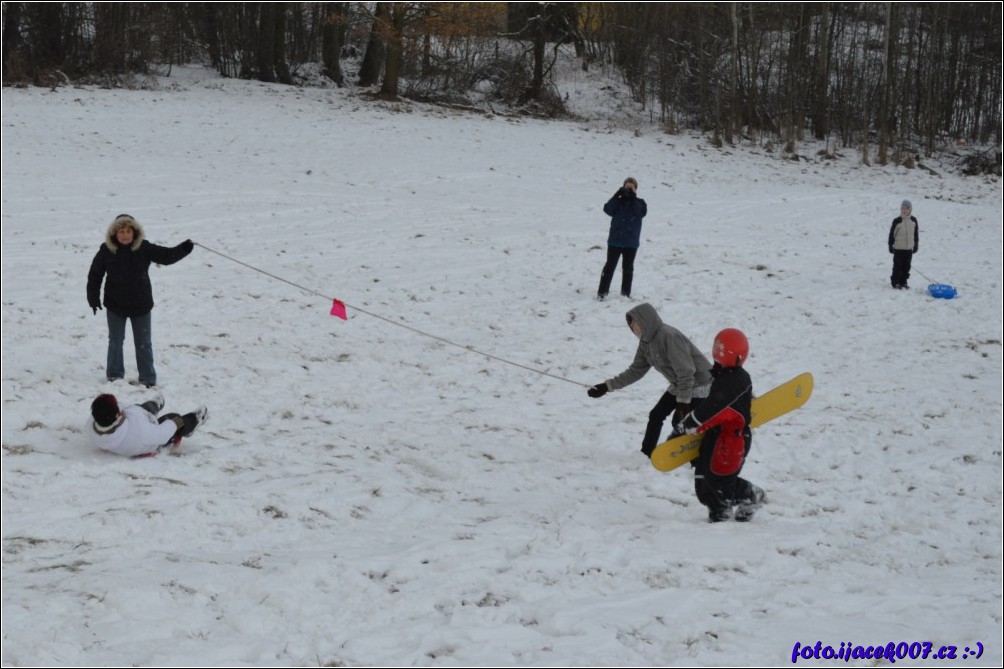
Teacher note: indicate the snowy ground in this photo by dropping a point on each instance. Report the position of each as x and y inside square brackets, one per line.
[365, 495]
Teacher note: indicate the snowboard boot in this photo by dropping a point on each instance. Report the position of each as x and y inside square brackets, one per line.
[746, 509]
[191, 422]
[719, 515]
[194, 421]
[154, 406]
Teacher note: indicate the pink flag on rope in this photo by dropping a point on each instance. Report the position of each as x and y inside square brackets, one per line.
[338, 309]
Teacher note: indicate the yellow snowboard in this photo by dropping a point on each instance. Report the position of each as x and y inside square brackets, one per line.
[786, 397]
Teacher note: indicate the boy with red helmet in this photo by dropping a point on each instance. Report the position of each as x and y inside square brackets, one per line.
[724, 418]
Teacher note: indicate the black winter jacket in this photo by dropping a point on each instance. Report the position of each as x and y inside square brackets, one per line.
[127, 289]
[727, 409]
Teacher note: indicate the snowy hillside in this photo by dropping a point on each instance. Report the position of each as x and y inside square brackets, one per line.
[367, 495]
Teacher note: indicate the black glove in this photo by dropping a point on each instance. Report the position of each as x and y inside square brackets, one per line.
[648, 450]
[682, 409]
[621, 193]
[95, 306]
[599, 390]
[890, 249]
[187, 246]
[684, 427]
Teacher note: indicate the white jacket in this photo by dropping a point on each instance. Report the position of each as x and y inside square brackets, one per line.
[138, 433]
[904, 235]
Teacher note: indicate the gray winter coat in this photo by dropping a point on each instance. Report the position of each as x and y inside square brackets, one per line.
[668, 350]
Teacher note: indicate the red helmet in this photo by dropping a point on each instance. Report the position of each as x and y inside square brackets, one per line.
[731, 348]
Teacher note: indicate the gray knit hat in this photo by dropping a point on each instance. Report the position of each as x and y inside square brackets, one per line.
[906, 205]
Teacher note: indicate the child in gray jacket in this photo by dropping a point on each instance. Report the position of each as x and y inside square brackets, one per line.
[904, 240]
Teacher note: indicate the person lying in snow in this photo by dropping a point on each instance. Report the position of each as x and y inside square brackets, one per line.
[134, 430]
[724, 418]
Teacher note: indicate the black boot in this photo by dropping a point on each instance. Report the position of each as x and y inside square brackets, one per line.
[719, 515]
[748, 506]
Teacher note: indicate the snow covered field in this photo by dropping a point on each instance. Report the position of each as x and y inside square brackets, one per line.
[365, 495]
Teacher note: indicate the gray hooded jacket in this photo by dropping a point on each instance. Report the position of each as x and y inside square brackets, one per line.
[668, 350]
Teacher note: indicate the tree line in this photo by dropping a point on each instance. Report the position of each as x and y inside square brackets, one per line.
[903, 77]
[893, 72]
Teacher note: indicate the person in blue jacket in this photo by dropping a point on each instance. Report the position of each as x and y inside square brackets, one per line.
[626, 210]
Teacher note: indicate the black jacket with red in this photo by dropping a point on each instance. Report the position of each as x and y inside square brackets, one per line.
[127, 287]
[727, 409]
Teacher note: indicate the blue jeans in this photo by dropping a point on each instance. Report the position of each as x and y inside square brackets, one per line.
[142, 330]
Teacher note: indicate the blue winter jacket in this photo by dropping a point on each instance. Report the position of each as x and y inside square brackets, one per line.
[626, 212]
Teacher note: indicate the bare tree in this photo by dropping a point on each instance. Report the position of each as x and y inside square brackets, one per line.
[266, 41]
[14, 67]
[332, 38]
[731, 121]
[885, 106]
[373, 59]
[48, 30]
[916, 74]
[393, 28]
[820, 120]
[538, 24]
[279, 62]
[111, 21]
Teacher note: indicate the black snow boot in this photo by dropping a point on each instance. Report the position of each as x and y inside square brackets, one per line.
[748, 507]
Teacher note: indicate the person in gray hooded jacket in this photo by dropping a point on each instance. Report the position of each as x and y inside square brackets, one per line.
[671, 353]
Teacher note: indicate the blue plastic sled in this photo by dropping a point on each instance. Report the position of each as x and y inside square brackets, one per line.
[942, 291]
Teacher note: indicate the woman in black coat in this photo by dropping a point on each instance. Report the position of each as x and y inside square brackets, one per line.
[125, 259]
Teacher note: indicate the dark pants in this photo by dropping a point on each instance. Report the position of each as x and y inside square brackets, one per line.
[901, 261]
[614, 253]
[720, 493]
[657, 417]
[186, 424]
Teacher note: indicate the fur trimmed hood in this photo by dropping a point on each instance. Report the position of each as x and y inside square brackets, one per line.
[124, 221]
